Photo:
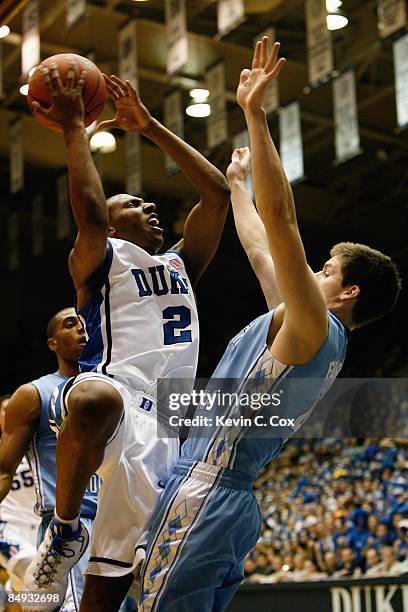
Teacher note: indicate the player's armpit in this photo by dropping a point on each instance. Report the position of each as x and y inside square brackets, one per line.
[202, 234]
[87, 256]
[305, 305]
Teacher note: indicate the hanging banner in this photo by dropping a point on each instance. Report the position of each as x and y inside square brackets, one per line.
[64, 223]
[37, 225]
[76, 10]
[271, 99]
[30, 44]
[392, 16]
[176, 35]
[242, 140]
[133, 163]
[13, 251]
[174, 120]
[230, 13]
[128, 53]
[291, 146]
[400, 49]
[217, 131]
[347, 137]
[16, 156]
[319, 42]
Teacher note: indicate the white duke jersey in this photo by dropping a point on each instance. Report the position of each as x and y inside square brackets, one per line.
[142, 323]
[18, 505]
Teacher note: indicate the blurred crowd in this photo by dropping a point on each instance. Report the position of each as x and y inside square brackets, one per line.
[333, 509]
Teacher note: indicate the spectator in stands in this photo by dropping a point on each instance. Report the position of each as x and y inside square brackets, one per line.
[331, 565]
[348, 564]
[388, 566]
[371, 559]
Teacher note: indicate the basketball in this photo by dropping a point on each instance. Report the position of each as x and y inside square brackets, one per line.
[94, 92]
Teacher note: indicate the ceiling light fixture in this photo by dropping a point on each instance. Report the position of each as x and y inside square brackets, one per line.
[199, 106]
[199, 95]
[198, 109]
[336, 20]
[104, 142]
[333, 5]
[4, 31]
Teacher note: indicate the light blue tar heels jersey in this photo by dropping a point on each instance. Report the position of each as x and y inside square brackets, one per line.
[41, 455]
[142, 324]
[248, 366]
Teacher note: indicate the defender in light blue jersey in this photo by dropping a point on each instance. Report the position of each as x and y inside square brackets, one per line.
[27, 431]
[208, 518]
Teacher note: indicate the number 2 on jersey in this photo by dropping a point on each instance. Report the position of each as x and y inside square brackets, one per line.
[175, 330]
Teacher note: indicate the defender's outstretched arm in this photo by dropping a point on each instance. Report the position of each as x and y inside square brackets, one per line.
[250, 229]
[305, 308]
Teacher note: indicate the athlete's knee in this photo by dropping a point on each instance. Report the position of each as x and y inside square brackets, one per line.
[93, 407]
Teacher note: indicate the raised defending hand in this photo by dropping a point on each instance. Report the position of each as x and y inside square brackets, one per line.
[131, 114]
[252, 83]
[240, 165]
[67, 103]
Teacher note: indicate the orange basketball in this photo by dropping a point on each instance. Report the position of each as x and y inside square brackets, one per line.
[94, 92]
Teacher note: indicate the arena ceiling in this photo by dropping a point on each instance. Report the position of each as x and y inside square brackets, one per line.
[366, 190]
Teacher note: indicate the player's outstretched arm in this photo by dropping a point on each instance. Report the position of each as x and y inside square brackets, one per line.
[204, 225]
[250, 229]
[19, 425]
[305, 310]
[86, 192]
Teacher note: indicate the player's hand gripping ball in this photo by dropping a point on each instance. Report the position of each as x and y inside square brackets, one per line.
[94, 92]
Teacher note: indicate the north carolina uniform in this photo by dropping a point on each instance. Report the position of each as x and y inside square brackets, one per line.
[41, 454]
[208, 518]
[142, 326]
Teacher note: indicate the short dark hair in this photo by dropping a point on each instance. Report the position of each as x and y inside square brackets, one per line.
[51, 326]
[376, 275]
[52, 323]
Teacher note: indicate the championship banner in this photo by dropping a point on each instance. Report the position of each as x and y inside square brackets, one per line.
[128, 54]
[133, 148]
[347, 137]
[76, 10]
[400, 49]
[30, 44]
[217, 131]
[174, 121]
[63, 208]
[392, 16]
[16, 156]
[12, 234]
[271, 98]
[291, 146]
[230, 13]
[319, 42]
[242, 140]
[176, 35]
[37, 225]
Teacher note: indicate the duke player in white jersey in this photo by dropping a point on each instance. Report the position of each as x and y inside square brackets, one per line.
[18, 523]
[141, 318]
[208, 518]
[27, 431]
